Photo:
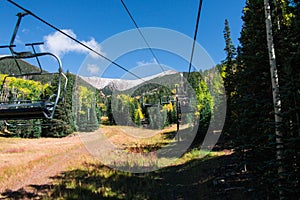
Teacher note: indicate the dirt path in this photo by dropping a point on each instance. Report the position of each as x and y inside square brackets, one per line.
[25, 162]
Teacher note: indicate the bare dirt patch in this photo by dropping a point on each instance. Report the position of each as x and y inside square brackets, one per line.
[33, 161]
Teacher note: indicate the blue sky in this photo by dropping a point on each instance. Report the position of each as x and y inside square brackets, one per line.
[94, 21]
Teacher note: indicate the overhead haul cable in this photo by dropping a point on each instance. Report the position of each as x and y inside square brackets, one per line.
[142, 35]
[74, 39]
[195, 36]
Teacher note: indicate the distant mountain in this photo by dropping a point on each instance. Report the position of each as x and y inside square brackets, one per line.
[107, 85]
[121, 84]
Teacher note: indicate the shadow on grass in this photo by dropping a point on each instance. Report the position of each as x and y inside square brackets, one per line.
[192, 180]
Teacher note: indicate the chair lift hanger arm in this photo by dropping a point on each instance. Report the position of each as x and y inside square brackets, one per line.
[12, 40]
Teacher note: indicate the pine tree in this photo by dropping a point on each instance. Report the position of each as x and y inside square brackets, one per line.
[251, 101]
[229, 48]
[229, 69]
[229, 63]
[286, 39]
[109, 112]
[253, 133]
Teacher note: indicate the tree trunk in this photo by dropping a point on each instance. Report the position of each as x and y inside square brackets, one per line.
[276, 95]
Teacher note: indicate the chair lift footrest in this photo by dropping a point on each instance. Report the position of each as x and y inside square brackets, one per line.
[17, 113]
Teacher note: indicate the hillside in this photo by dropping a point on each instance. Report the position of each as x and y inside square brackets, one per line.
[9, 66]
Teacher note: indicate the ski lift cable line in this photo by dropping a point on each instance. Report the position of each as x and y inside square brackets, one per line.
[74, 39]
[195, 35]
[142, 35]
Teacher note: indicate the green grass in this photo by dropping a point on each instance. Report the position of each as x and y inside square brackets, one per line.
[95, 181]
[189, 177]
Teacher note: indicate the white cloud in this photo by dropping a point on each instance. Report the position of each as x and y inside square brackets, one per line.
[60, 45]
[18, 40]
[93, 69]
[151, 62]
[24, 30]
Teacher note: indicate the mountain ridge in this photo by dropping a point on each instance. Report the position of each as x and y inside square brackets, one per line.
[121, 84]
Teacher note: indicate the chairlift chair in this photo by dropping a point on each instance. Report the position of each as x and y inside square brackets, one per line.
[25, 109]
[185, 105]
[166, 100]
[147, 104]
